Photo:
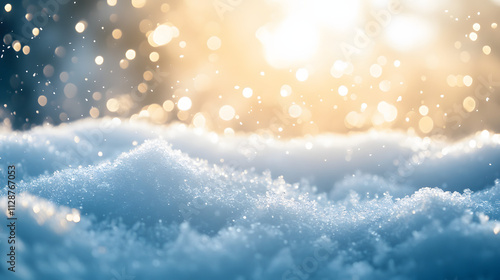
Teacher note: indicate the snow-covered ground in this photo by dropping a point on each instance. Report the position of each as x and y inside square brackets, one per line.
[103, 199]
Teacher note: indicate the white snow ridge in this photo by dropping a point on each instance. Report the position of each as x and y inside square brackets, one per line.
[124, 201]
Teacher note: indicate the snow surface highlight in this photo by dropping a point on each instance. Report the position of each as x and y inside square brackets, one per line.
[105, 200]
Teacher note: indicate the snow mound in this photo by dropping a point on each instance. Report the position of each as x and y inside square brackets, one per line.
[134, 205]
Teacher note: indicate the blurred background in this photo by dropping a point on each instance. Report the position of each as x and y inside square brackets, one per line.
[289, 67]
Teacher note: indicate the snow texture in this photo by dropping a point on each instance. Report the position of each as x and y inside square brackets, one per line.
[106, 200]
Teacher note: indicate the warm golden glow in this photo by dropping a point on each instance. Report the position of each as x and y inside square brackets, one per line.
[486, 50]
[99, 60]
[388, 111]
[286, 90]
[184, 103]
[168, 105]
[81, 26]
[247, 92]
[291, 42]
[376, 70]
[227, 112]
[469, 104]
[291, 67]
[138, 3]
[26, 50]
[409, 33]
[97, 96]
[154, 56]
[343, 90]
[162, 35]
[130, 54]
[42, 100]
[473, 36]
[94, 112]
[112, 105]
[295, 111]
[496, 229]
[123, 64]
[142, 87]
[426, 124]
[199, 120]
[214, 43]
[423, 110]
[16, 45]
[117, 33]
[302, 74]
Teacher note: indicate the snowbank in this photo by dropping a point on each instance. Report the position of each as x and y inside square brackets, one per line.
[104, 200]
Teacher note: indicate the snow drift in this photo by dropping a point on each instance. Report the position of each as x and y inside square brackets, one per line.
[105, 200]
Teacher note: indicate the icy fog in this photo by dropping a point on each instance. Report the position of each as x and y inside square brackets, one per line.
[105, 200]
